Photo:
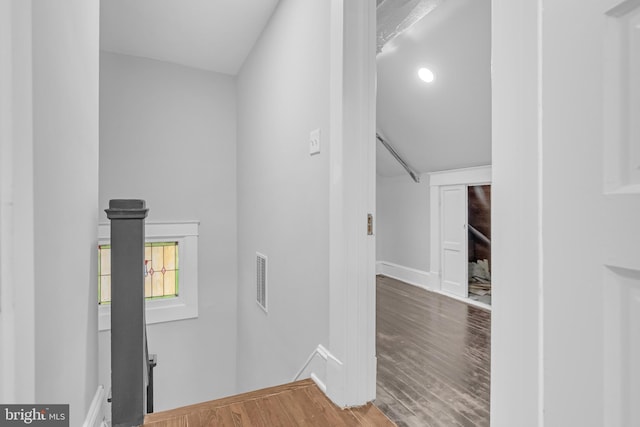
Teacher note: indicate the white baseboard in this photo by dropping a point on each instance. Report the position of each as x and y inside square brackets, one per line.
[321, 385]
[419, 278]
[95, 415]
[464, 300]
[318, 374]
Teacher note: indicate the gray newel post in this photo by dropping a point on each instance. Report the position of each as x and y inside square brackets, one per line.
[128, 358]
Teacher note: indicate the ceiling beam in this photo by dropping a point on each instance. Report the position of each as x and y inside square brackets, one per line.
[396, 16]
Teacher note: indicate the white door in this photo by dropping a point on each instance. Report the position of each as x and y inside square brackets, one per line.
[621, 213]
[591, 212]
[453, 202]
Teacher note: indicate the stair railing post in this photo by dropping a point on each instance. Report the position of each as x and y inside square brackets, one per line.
[128, 364]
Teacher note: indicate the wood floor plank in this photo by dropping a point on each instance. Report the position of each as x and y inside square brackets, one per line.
[308, 401]
[324, 405]
[231, 399]
[433, 357]
[242, 417]
[255, 413]
[189, 420]
[224, 417]
[216, 417]
[422, 360]
[296, 413]
[297, 404]
[427, 402]
[371, 416]
[405, 417]
[273, 412]
[415, 358]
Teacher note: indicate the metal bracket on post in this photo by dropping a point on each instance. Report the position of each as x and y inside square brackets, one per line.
[128, 358]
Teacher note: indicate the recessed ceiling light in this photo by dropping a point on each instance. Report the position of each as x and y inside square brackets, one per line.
[426, 75]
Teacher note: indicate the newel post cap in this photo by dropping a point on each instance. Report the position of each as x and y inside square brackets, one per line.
[127, 209]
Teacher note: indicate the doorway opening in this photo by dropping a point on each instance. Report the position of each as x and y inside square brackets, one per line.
[434, 149]
[479, 242]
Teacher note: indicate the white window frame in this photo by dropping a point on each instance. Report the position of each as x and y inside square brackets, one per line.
[185, 305]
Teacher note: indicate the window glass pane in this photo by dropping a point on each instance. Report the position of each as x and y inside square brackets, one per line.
[157, 284]
[157, 258]
[104, 274]
[170, 257]
[147, 286]
[160, 271]
[105, 289]
[105, 260]
[170, 282]
[177, 282]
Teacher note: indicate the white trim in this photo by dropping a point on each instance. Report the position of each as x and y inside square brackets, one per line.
[321, 351]
[325, 355]
[619, 176]
[351, 198]
[517, 374]
[321, 385]
[185, 305]
[420, 279]
[96, 414]
[461, 299]
[471, 176]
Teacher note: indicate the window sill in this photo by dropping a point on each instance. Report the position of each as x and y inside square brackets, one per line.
[159, 311]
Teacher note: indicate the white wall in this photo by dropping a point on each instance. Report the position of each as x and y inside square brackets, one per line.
[167, 135]
[65, 185]
[6, 119]
[283, 94]
[515, 222]
[17, 320]
[402, 232]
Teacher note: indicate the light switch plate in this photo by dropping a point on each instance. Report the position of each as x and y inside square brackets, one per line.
[314, 142]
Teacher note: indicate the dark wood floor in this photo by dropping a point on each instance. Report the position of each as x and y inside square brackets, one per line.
[300, 403]
[433, 358]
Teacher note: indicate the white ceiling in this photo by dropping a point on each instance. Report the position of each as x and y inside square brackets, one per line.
[214, 35]
[445, 124]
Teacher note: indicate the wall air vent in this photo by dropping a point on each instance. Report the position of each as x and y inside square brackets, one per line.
[261, 280]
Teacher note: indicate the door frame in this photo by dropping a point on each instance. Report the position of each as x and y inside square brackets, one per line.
[480, 175]
[517, 340]
[351, 367]
[517, 370]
